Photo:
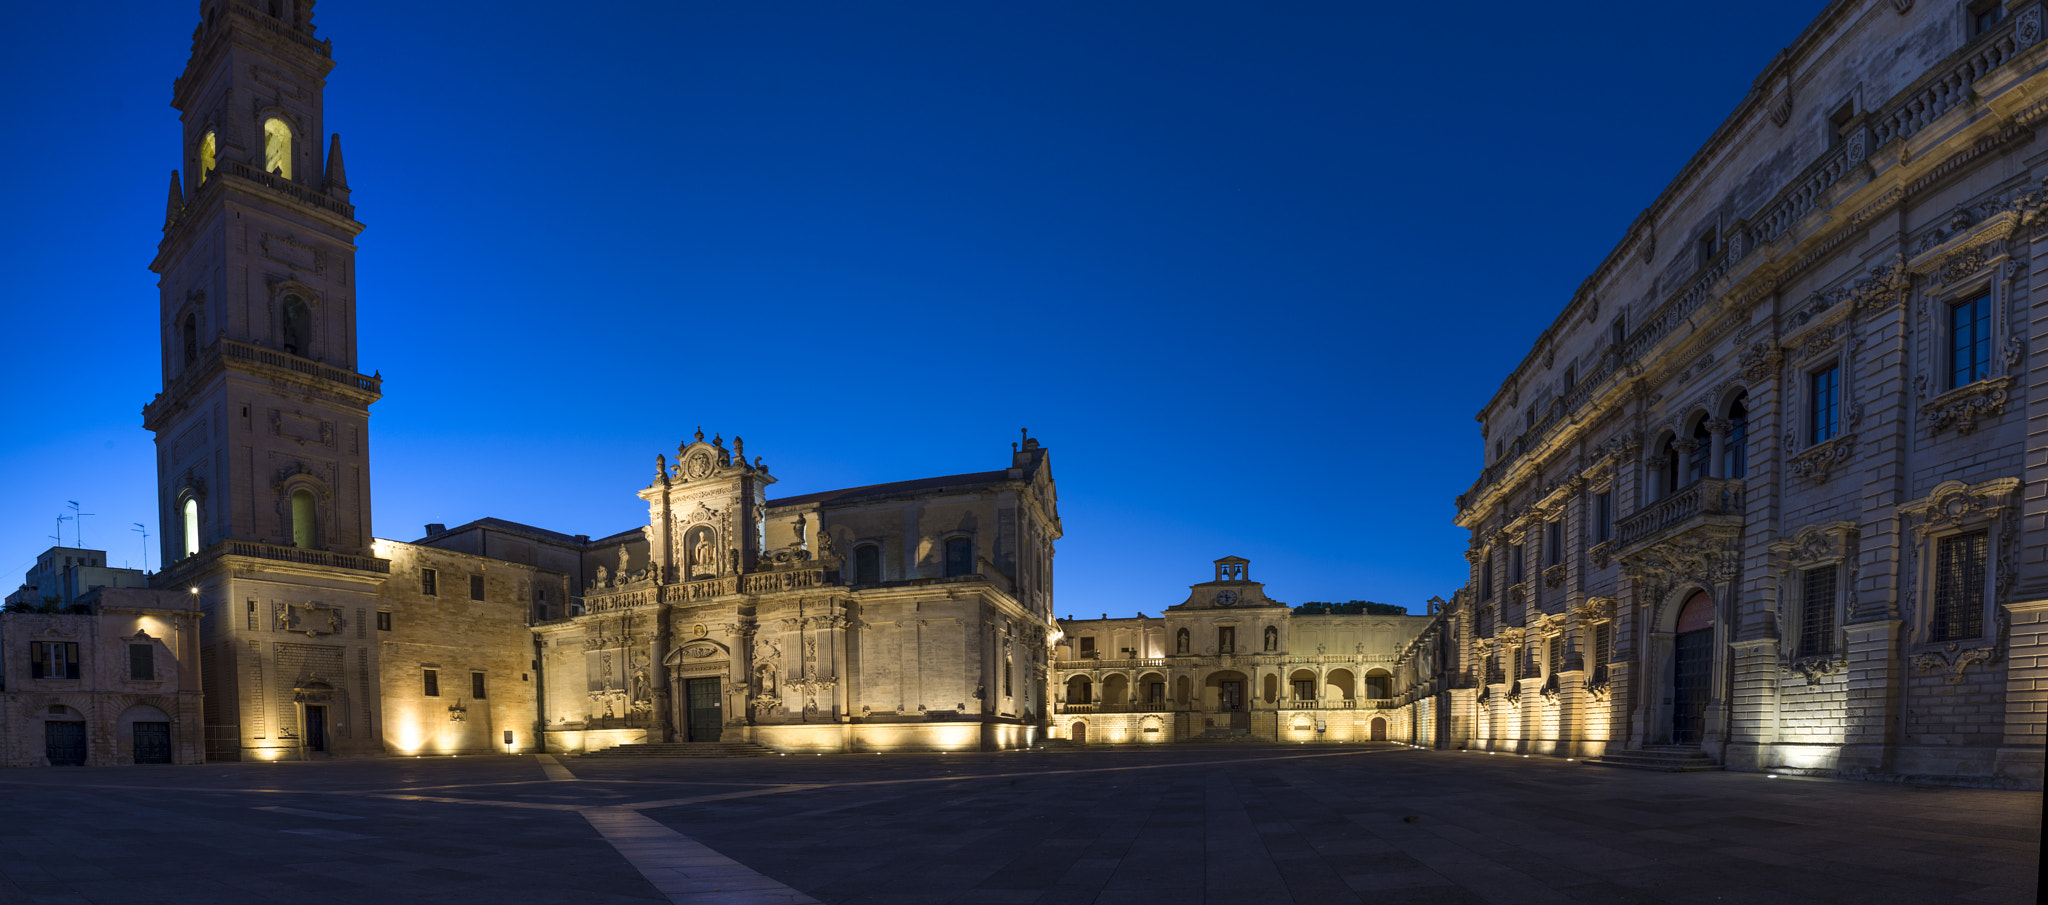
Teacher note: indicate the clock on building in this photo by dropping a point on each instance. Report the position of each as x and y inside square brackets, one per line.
[1226, 598]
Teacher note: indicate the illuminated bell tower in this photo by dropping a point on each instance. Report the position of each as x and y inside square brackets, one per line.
[263, 466]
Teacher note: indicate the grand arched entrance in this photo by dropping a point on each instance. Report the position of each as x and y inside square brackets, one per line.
[1692, 669]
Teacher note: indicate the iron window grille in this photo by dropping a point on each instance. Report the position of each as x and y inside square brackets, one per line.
[1817, 612]
[1958, 588]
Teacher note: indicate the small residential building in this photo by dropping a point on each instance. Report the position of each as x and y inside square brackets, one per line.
[112, 678]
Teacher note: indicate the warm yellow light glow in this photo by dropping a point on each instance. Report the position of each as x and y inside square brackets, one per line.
[206, 157]
[277, 147]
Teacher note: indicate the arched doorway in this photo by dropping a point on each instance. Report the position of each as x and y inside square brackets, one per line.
[1080, 690]
[1379, 729]
[1080, 733]
[1692, 669]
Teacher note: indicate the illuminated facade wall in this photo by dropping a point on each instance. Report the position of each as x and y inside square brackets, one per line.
[462, 637]
[1229, 660]
[1760, 492]
[913, 615]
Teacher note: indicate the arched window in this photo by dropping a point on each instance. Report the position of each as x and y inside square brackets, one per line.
[1667, 467]
[302, 519]
[296, 326]
[191, 526]
[1735, 446]
[277, 147]
[959, 556]
[191, 331]
[1696, 464]
[209, 147]
[867, 564]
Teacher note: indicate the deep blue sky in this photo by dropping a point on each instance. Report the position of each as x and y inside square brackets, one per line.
[1247, 269]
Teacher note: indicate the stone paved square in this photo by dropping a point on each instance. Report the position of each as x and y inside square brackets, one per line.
[1186, 824]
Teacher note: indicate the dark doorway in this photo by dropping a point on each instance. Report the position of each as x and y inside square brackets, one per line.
[1379, 729]
[64, 742]
[705, 720]
[1230, 695]
[1080, 733]
[152, 743]
[1692, 671]
[316, 727]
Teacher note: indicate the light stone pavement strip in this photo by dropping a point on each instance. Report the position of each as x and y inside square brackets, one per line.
[1230, 826]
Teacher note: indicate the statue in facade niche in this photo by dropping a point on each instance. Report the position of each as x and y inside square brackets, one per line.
[704, 557]
[622, 562]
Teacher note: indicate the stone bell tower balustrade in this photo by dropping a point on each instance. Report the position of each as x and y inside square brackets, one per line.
[1707, 501]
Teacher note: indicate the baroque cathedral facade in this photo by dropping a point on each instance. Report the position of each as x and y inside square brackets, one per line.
[915, 614]
[1768, 492]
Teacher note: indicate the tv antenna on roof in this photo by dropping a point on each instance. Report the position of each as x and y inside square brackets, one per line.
[78, 526]
[59, 536]
[145, 544]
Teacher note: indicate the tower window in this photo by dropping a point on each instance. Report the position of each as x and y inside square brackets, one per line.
[277, 147]
[191, 336]
[208, 152]
[191, 531]
[296, 326]
[302, 519]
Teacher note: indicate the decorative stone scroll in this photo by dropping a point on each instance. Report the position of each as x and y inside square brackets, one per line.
[1961, 408]
[1819, 461]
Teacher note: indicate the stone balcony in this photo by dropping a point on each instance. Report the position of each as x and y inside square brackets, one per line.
[1706, 502]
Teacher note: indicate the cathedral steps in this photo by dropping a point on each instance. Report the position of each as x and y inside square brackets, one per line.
[686, 749]
[1661, 758]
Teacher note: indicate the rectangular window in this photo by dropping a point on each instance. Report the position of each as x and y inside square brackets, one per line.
[1985, 16]
[1486, 576]
[1087, 648]
[1571, 377]
[476, 685]
[1006, 680]
[1707, 249]
[476, 587]
[432, 682]
[53, 659]
[1304, 689]
[427, 583]
[1619, 331]
[1817, 612]
[1553, 543]
[142, 662]
[1515, 564]
[1556, 655]
[252, 615]
[1838, 124]
[1603, 639]
[1969, 356]
[1958, 588]
[383, 621]
[1827, 387]
[1603, 517]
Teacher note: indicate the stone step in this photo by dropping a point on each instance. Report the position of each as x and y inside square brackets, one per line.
[686, 749]
[1660, 758]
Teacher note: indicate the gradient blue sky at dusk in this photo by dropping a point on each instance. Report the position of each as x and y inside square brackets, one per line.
[1247, 269]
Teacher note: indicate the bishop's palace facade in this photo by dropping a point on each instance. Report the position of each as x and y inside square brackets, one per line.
[1768, 494]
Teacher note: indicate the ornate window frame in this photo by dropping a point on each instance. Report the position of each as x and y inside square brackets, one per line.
[1954, 508]
[294, 478]
[1819, 546]
[280, 289]
[1957, 263]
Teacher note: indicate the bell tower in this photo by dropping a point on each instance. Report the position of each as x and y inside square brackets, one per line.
[262, 427]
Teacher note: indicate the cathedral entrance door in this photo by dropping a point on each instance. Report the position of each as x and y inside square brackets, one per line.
[705, 720]
[1379, 729]
[316, 727]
